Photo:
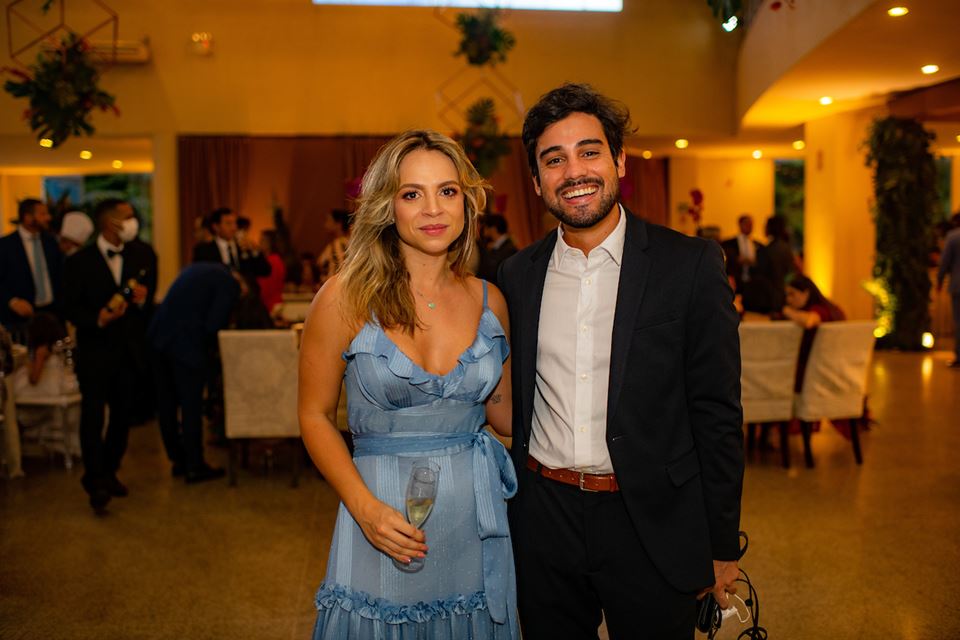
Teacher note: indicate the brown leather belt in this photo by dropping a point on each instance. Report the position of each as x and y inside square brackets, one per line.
[585, 481]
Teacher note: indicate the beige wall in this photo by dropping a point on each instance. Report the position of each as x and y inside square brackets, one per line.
[840, 238]
[731, 187]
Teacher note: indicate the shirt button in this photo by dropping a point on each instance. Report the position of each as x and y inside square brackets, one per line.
[583, 429]
[583, 376]
[588, 281]
[583, 329]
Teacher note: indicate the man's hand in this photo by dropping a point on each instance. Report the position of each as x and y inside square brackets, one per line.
[21, 307]
[107, 316]
[139, 294]
[725, 572]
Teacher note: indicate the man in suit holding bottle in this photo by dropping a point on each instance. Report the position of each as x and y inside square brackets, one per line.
[106, 286]
[626, 397]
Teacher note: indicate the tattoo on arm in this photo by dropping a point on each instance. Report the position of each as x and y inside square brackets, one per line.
[496, 398]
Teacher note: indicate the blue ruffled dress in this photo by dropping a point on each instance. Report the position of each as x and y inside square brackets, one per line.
[399, 413]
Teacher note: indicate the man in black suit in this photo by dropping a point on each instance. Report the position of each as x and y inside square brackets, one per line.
[626, 398]
[242, 257]
[30, 268]
[741, 252]
[183, 336]
[110, 338]
[497, 246]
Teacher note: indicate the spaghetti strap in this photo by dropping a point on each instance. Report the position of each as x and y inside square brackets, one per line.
[484, 293]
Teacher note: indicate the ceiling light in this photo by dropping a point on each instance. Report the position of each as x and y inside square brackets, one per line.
[929, 68]
[825, 100]
[647, 154]
[46, 143]
[927, 340]
[757, 154]
[117, 164]
[958, 138]
[730, 24]
[896, 12]
[86, 155]
[799, 145]
[682, 143]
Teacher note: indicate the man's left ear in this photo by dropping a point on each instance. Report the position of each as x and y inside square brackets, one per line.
[622, 163]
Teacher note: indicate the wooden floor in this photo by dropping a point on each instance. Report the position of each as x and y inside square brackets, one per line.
[836, 552]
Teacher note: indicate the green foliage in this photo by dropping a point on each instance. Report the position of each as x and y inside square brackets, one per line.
[788, 181]
[905, 191]
[483, 141]
[483, 42]
[62, 90]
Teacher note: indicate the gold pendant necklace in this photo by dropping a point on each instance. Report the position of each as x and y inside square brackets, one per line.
[430, 304]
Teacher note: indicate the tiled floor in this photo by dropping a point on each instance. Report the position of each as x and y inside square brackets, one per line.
[836, 552]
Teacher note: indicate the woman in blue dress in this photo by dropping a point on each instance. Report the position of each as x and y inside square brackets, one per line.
[422, 348]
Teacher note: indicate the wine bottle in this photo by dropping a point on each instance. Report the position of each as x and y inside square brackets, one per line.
[125, 293]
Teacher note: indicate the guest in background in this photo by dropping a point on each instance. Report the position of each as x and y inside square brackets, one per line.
[183, 337]
[498, 246]
[271, 286]
[808, 307]
[243, 257]
[30, 268]
[40, 376]
[779, 261]
[306, 279]
[333, 254]
[950, 265]
[75, 229]
[741, 252]
[110, 338]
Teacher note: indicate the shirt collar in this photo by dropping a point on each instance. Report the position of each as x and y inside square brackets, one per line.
[223, 244]
[499, 242]
[612, 244]
[103, 244]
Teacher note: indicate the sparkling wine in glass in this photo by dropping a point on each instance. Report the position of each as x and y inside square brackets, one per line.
[421, 493]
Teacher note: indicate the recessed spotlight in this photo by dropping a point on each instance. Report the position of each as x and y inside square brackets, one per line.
[799, 145]
[927, 340]
[896, 12]
[929, 68]
[757, 154]
[86, 155]
[682, 143]
[958, 138]
[825, 100]
[117, 164]
[730, 24]
[647, 154]
[46, 143]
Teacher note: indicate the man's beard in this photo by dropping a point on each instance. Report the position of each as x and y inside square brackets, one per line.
[588, 217]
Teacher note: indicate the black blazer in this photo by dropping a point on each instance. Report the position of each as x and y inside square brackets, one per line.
[195, 308]
[252, 265]
[673, 411]
[88, 287]
[16, 278]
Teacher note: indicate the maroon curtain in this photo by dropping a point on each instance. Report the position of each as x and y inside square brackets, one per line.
[212, 170]
[645, 189]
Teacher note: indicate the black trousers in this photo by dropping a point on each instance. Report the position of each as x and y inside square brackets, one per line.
[110, 385]
[579, 558]
[180, 389]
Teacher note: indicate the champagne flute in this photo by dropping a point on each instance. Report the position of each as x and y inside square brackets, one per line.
[421, 493]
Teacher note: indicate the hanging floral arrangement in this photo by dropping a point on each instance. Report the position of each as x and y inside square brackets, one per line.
[482, 140]
[62, 88]
[483, 40]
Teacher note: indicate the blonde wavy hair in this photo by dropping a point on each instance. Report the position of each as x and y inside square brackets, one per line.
[374, 279]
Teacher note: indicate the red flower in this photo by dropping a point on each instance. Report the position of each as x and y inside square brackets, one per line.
[115, 109]
[776, 5]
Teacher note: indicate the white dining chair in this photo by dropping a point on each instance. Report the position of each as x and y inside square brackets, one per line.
[260, 390]
[835, 380]
[768, 354]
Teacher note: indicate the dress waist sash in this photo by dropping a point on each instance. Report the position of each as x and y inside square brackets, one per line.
[495, 480]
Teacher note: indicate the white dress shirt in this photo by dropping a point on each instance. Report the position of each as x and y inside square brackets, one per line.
[573, 355]
[228, 252]
[116, 262]
[747, 252]
[28, 239]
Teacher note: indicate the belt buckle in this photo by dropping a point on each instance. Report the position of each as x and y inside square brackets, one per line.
[583, 488]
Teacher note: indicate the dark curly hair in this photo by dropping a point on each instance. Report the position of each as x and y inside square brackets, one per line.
[575, 98]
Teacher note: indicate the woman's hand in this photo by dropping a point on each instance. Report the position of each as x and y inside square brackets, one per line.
[388, 531]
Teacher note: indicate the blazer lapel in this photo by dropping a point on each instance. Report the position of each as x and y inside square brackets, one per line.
[634, 270]
[533, 280]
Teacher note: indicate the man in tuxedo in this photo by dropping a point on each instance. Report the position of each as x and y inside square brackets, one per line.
[30, 268]
[242, 257]
[110, 338]
[497, 246]
[183, 337]
[741, 252]
[626, 397]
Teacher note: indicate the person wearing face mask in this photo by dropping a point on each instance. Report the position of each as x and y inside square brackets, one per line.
[110, 340]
